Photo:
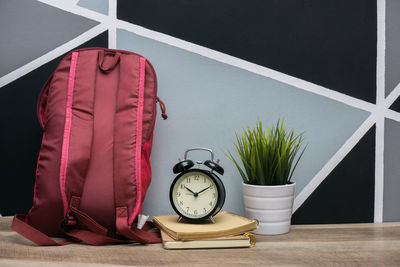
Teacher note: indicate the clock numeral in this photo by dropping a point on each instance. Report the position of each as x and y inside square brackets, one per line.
[196, 177]
[210, 204]
[187, 209]
[181, 203]
[182, 186]
[195, 212]
[188, 180]
[205, 210]
[178, 194]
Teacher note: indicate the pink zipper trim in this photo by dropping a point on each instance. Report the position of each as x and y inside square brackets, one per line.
[67, 130]
[138, 154]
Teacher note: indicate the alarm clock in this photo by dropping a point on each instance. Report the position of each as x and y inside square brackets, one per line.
[197, 194]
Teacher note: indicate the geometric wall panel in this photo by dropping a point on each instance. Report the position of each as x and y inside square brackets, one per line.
[391, 196]
[207, 101]
[396, 105]
[347, 194]
[21, 135]
[392, 57]
[327, 43]
[29, 29]
[330, 43]
[100, 6]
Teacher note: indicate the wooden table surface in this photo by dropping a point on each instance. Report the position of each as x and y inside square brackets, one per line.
[305, 245]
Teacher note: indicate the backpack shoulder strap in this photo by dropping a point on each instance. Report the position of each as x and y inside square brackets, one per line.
[141, 235]
[128, 188]
[78, 134]
[20, 226]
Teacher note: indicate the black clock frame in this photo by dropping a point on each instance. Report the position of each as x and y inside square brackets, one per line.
[220, 189]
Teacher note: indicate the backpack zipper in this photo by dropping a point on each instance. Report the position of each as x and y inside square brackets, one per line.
[67, 131]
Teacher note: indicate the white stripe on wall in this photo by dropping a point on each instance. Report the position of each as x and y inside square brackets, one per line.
[380, 100]
[334, 161]
[112, 29]
[62, 49]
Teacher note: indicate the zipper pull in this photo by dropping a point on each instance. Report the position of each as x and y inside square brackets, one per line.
[162, 107]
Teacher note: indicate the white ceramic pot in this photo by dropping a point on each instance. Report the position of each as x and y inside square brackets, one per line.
[270, 205]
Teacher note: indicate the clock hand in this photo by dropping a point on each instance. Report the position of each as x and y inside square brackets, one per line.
[194, 194]
[203, 190]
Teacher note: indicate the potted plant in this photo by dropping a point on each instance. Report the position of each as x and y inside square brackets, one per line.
[268, 159]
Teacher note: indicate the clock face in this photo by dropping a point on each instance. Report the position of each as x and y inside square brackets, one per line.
[194, 195]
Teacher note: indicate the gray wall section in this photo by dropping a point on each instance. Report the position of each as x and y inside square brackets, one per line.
[100, 6]
[391, 196]
[392, 69]
[30, 29]
[207, 101]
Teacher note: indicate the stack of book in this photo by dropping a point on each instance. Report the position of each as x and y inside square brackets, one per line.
[228, 231]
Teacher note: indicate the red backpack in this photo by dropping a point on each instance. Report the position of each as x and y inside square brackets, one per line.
[97, 111]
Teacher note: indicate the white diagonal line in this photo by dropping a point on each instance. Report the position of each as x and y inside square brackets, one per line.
[393, 115]
[333, 162]
[392, 96]
[81, 11]
[246, 65]
[34, 64]
[215, 55]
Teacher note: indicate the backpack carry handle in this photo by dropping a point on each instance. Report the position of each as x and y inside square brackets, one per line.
[100, 61]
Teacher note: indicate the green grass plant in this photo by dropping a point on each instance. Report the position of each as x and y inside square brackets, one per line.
[268, 157]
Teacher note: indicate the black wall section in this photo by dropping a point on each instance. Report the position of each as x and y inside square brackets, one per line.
[331, 43]
[396, 105]
[21, 135]
[347, 194]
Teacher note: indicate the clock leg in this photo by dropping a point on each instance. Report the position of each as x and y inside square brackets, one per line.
[179, 219]
[211, 218]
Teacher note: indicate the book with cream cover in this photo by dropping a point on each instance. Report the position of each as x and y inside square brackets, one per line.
[239, 241]
[226, 224]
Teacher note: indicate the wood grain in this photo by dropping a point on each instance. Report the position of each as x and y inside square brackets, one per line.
[305, 245]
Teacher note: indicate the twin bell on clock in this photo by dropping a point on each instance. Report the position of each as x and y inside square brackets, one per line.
[197, 194]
